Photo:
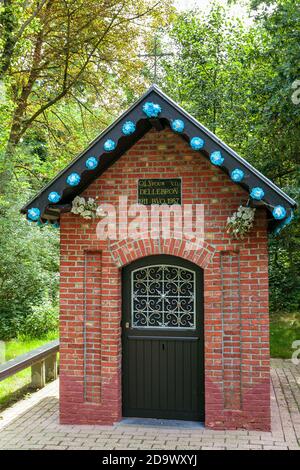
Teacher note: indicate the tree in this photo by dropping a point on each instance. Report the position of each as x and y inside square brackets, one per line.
[66, 69]
[237, 80]
[79, 51]
[206, 60]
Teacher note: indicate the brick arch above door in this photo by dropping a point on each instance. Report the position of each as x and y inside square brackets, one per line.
[124, 252]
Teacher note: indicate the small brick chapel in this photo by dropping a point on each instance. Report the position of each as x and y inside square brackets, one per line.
[150, 328]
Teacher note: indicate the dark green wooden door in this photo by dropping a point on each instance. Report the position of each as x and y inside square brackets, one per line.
[163, 358]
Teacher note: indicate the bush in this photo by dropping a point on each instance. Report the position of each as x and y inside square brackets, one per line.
[28, 267]
[42, 320]
[10, 325]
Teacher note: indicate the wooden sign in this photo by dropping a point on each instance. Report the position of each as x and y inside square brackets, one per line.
[159, 191]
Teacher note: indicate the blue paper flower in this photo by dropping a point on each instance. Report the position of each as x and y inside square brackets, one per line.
[257, 193]
[33, 213]
[128, 128]
[279, 212]
[289, 219]
[109, 145]
[197, 143]
[152, 110]
[237, 175]
[216, 158]
[177, 125]
[53, 197]
[91, 163]
[73, 179]
[284, 223]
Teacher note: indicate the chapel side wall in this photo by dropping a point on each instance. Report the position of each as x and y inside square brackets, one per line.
[237, 388]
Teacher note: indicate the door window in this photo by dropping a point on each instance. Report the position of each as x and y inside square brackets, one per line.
[163, 296]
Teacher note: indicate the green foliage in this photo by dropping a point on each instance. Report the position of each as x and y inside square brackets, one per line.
[284, 330]
[237, 80]
[284, 268]
[206, 74]
[66, 68]
[10, 324]
[28, 267]
[80, 51]
[41, 321]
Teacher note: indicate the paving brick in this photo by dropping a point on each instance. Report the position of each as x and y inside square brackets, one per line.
[28, 429]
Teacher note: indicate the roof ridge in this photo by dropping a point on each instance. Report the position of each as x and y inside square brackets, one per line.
[165, 109]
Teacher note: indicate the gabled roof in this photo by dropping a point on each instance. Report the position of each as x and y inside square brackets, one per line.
[273, 195]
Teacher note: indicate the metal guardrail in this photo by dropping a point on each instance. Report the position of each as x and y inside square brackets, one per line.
[42, 360]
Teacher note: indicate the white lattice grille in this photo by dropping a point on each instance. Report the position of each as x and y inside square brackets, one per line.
[163, 296]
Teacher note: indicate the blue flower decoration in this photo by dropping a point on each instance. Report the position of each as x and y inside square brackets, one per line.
[33, 213]
[289, 219]
[55, 225]
[152, 110]
[197, 143]
[216, 158]
[91, 163]
[109, 145]
[53, 197]
[257, 193]
[177, 125]
[73, 179]
[237, 175]
[279, 212]
[284, 223]
[128, 128]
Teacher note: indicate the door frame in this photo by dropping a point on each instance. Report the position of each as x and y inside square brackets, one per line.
[197, 333]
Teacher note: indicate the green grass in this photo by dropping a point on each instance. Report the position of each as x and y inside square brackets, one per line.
[284, 329]
[18, 386]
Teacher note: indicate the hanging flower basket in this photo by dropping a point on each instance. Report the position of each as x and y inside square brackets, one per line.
[241, 221]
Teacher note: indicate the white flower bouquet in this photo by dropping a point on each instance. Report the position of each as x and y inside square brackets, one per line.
[86, 208]
[240, 222]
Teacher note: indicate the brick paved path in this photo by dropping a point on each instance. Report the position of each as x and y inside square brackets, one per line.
[38, 428]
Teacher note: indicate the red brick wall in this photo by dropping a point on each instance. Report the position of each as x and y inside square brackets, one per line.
[236, 327]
